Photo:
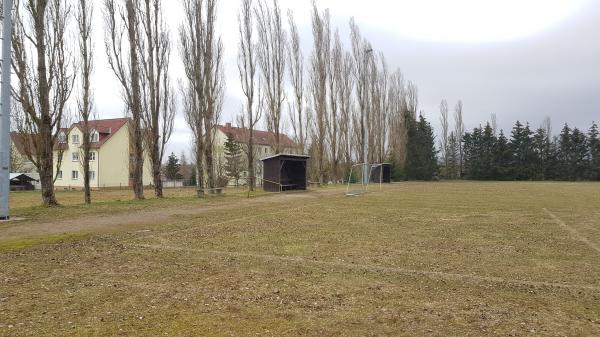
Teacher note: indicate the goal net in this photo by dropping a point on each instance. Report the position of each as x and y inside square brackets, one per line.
[358, 179]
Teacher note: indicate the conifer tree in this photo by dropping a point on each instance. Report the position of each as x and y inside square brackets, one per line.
[503, 158]
[173, 167]
[579, 155]
[233, 159]
[564, 154]
[453, 156]
[594, 146]
[421, 154]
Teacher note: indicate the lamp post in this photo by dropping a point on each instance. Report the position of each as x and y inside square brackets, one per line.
[364, 120]
[5, 93]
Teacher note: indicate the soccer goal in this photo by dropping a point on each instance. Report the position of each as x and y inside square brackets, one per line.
[358, 180]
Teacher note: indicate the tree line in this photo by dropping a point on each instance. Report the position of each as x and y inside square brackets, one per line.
[341, 98]
[527, 154]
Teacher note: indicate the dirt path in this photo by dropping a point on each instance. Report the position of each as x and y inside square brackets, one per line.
[125, 221]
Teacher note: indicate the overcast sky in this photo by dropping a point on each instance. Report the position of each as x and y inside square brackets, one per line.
[519, 59]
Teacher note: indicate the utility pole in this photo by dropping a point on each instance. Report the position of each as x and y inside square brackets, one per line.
[364, 120]
[5, 92]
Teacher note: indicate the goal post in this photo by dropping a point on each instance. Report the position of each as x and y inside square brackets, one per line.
[358, 179]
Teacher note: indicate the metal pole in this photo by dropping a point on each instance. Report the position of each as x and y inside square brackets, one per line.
[365, 120]
[5, 93]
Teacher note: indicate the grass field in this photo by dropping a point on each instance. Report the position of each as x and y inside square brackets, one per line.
[432, 259]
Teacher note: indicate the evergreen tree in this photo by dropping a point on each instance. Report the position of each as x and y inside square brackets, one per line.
[233, 159]
[564, 171]
[579, 155]
[173, 167]
[421, 153]
[594, 148]
[503, 158]
[453, 156]
[523, 153]
[541, 147]
[488, 145]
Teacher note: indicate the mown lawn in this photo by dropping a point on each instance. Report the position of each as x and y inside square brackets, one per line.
[415, 259]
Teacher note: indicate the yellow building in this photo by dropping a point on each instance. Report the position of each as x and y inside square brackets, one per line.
[110, 164]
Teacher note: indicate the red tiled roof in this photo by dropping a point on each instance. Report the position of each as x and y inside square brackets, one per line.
[105, 127]
[264, 138]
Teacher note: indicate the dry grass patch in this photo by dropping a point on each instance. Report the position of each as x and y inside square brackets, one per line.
[435, 259]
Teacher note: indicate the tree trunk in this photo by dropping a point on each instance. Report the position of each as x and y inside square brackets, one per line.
[46, 177]
[210, 167]
[136, 109]
[157, 177]
[251, 177]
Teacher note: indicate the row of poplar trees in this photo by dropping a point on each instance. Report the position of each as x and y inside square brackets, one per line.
[339, 99]
[53, 64]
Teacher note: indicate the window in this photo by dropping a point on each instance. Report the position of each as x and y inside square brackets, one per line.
[92, 175]
[75, 139]
[75, 156]
[74, 175]
[62, 138]
[92, 156]
[59, 175]
[94, 136]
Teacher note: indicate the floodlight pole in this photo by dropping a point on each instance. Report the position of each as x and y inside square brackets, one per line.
[5, 92]
[365, 119]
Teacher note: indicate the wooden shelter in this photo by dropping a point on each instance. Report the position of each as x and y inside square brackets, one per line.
[21, 182]
[285, 172]
[381, 173]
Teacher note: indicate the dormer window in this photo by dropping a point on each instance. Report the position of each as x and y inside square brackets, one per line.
[62, 138]
[94, 136]
[75, 139]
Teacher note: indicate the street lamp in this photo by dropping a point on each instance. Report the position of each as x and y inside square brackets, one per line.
[364, 120]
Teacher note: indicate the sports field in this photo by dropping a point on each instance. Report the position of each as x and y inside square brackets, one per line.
[413, 259]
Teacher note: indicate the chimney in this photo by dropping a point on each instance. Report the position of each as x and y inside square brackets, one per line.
[228, 125]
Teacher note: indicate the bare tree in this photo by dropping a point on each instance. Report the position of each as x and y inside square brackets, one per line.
[397, 119]
[271, 52]
[247, 69]
[41, 64]
[362, 53]
[318, 83]
[123, 58]
[459, 131]
[158, 105]
[345, 88]
[547, 126]
[334, 74]
[202, 52]
[191, 104]
[85, 109]
[296, 72]
[494, 123]
[444, 136]
[381, 113]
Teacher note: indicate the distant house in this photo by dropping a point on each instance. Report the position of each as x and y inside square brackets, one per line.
[264, 142]
[22, 182]
[110, 162]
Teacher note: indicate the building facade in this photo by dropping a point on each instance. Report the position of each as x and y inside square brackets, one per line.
[110, 157]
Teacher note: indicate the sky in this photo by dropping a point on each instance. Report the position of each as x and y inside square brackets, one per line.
[518, 59]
